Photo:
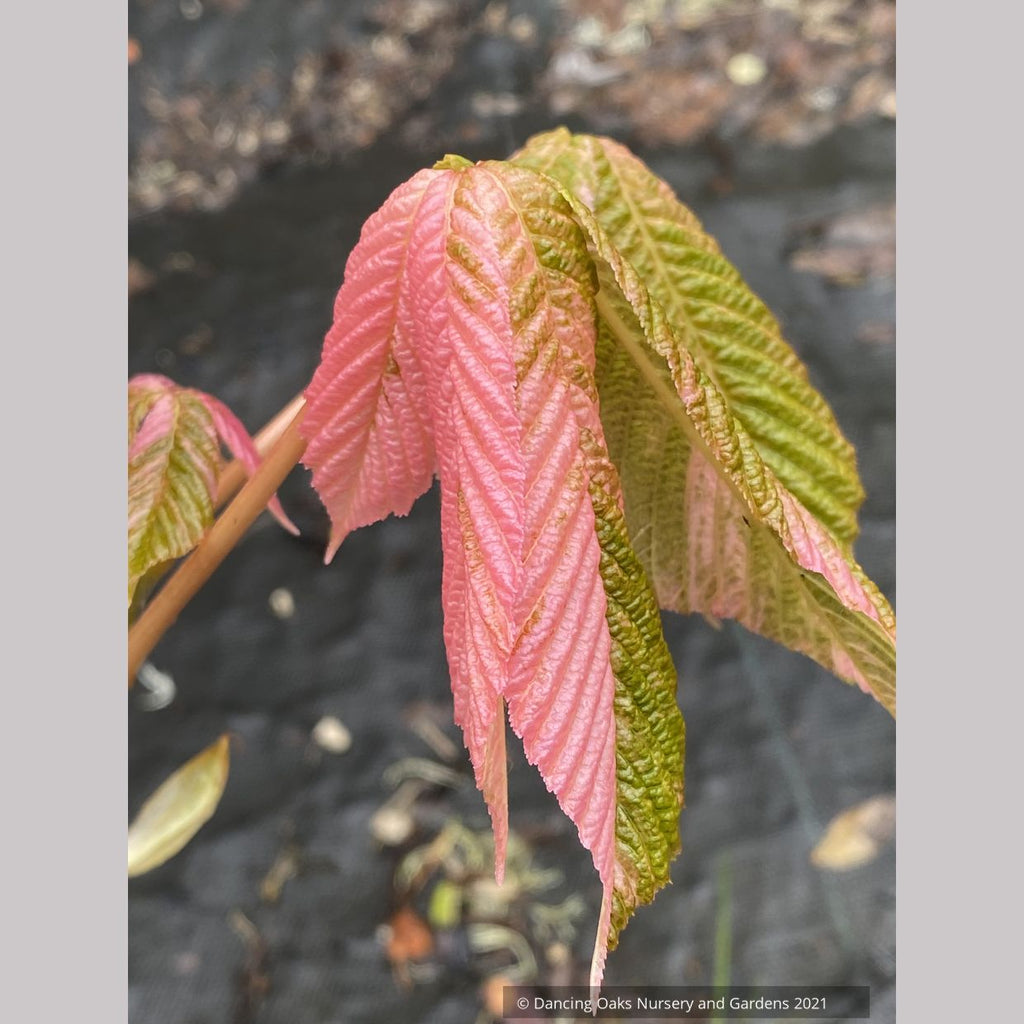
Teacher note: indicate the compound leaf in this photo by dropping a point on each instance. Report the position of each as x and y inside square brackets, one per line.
[616, 424]
[547, 612]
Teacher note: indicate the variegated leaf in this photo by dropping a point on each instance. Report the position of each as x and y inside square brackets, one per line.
[174, 459]
[729, 332]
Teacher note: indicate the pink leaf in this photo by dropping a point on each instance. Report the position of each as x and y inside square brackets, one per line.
[156, 424]
[143, 391]
[524, 601]
[370, 446]
[148, 383]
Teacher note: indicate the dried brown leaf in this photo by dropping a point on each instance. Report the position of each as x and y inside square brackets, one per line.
[856, 836]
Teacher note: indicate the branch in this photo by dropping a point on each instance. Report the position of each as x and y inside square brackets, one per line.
[225, 533]
[233, 475]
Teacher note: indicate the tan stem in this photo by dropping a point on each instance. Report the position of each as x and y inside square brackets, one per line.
[225, 533]
[234, 473]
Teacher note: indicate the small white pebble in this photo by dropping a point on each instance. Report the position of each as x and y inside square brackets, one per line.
[247, 142]
[522, 29]
[159, 687]
[224, 133]
[359, 90]
[390, 49]
[823, 98]
[304, 80]
[332, 735]
[391, 826]
[589, 32]
[558, 954]
[277, 132]
[281, 602]
[746, 69]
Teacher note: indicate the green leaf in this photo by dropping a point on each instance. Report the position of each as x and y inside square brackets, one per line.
[728, 331]
[143, 589]
[650, 736]
[716, 530]
[182, 804]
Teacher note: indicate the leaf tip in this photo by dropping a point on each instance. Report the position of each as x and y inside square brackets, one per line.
[332, 545]
[452, 162]
[276, 510]
[600, 948]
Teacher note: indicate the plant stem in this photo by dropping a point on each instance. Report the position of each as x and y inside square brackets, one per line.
[225, 533]
[234, 473]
